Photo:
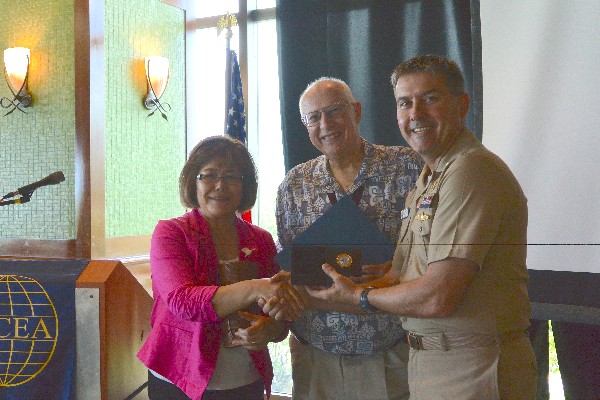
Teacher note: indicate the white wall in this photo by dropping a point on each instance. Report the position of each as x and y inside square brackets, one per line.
[541, 114]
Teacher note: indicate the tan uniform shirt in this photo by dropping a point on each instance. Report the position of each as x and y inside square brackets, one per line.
[472, 208]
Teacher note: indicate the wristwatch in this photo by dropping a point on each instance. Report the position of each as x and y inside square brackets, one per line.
[364, 304]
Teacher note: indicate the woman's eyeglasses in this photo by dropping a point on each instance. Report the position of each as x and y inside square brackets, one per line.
[212, 179]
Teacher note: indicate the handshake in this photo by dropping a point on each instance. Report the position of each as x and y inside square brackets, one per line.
[286, 302]
[282, 300]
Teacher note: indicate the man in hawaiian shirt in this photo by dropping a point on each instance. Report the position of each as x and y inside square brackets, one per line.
[339, 355]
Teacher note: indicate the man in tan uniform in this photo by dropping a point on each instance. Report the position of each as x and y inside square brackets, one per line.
[460, 261]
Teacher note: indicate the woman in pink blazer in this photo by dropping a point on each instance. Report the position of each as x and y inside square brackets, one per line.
[207, 266]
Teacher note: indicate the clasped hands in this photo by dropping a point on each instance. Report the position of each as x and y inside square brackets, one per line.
[287, 302]
[263, 329]
[291, 305]
[282, 301]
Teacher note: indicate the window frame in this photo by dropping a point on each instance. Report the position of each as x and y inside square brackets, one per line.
[244, 17]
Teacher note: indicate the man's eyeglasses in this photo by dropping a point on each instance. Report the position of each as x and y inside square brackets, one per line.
[212, 179]
[333, 111]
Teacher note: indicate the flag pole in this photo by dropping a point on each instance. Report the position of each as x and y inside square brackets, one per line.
[234, 96]
[226, 22]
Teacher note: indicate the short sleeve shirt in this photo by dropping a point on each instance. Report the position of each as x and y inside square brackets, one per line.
[472, 207]
[387, 175]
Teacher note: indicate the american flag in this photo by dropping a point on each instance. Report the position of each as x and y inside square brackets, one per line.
[236, 119]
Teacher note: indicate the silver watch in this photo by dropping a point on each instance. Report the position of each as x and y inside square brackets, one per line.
[364, 304]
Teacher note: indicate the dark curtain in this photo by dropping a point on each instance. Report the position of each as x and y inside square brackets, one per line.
[360, 42]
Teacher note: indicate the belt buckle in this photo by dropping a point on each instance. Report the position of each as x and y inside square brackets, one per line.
[415, 341]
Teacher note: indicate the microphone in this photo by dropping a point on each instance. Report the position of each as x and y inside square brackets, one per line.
[52, 179]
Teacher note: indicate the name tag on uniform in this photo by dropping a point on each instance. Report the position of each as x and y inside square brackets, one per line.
[404, 213]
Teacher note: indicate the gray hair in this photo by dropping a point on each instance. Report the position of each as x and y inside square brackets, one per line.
[345, 89]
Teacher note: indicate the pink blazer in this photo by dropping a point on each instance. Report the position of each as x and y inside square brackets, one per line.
[184, 341]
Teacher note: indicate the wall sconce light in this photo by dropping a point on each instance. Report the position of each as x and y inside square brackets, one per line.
[16, 72]
[157, 77]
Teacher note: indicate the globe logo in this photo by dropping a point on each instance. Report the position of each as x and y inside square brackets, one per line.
[28, 329]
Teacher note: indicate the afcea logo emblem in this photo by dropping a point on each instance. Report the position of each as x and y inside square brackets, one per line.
[28, 329]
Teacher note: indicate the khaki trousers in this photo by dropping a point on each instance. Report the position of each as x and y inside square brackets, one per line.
[319, 375]
[493, 372]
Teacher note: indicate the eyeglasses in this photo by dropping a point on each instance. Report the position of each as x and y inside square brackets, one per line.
[212, 179]
[333, 111]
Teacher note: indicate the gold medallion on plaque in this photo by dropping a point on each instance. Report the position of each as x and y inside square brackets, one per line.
[344, 260]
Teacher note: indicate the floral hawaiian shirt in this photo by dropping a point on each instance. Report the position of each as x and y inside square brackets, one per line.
[387, 175]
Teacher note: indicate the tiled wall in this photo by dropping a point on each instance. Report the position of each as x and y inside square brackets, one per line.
[35, 144]
[144, 155]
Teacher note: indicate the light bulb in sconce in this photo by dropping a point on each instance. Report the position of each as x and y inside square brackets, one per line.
[157, 78]
[16, 73]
